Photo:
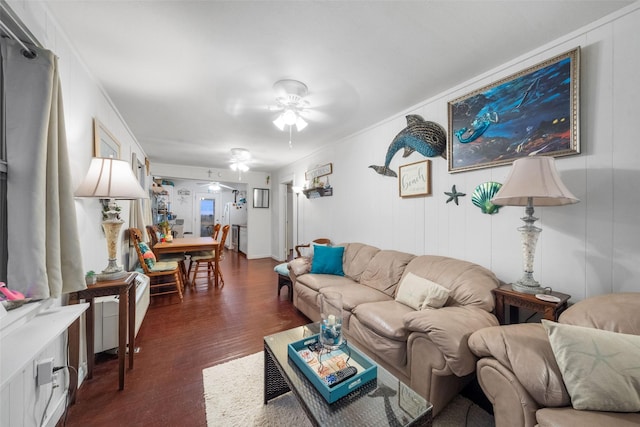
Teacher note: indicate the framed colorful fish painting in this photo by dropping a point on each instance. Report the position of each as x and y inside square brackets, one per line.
[533, 112]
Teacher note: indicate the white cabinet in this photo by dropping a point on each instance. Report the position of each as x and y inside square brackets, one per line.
[243, 239]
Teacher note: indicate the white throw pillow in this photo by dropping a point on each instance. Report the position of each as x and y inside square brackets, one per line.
[420, 293]
[601, 369]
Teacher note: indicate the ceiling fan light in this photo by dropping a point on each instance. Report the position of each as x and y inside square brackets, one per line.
[243, 167]
[300, 124]
[289, 117]
[279, 122]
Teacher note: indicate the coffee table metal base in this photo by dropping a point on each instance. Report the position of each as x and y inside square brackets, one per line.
[274, 383]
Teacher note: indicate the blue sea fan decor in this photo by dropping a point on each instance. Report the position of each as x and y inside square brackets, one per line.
[483, 194]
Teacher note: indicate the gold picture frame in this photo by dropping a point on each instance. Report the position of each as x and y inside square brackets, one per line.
[532, 112]
[104, 143]
[414, 179]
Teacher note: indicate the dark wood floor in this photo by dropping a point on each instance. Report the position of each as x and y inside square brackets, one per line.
[178, 340]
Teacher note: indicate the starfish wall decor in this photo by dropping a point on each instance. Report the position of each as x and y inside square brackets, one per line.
[454, 194]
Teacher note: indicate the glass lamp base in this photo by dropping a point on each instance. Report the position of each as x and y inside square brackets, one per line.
[528, 285]
[112, 272]
[103, 277]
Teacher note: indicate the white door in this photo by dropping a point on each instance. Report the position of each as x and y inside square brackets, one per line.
[204, 214]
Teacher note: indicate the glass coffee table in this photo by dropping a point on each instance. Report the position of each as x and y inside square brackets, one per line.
[385, 401]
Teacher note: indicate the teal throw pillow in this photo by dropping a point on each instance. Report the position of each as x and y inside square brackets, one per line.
[327, 260]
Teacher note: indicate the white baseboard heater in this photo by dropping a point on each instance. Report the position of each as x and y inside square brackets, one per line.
[106, 315]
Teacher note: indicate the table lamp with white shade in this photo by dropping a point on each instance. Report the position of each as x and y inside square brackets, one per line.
[111, 179]
[533, 181]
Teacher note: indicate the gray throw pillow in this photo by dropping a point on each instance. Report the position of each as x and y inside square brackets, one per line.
[600, 369]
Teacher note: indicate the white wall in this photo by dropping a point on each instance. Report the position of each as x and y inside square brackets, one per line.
[258, 220]
[186, 206]
[585, 249]
[83, 100]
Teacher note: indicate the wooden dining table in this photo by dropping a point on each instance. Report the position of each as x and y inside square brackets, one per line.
[190, 244]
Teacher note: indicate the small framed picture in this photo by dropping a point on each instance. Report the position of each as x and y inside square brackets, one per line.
[260, 197]
[104, 143]
[414, 179]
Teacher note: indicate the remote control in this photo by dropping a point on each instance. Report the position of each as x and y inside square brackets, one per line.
[340, 376]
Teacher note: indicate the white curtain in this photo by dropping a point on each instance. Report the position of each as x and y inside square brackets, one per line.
[137, 217]
[44, 251]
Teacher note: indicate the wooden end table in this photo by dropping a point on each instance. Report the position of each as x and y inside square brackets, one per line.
[126, 290]
[505, 295]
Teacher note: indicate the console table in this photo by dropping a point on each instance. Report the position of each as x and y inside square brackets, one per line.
[126, 291]
[505, 295]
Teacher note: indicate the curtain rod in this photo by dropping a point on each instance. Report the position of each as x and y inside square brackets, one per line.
[9, 20]
[13, 36]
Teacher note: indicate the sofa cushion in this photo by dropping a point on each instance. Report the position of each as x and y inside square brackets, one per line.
[356, 258]
[418, 293]
[385, 269]
[327, 260]
[469, 283]
[282, 269]
[354, 294]
[319, 281]
[551, 417]
[610, 312]
[601, 369]
[385, 318]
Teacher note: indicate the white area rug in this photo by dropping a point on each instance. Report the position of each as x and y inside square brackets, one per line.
[234, 393]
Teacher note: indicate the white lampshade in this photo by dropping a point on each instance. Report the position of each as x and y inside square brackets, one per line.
[537, 179]
[110, 179]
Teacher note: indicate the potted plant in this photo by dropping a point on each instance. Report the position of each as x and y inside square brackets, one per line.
[164, 227]
[90, 278]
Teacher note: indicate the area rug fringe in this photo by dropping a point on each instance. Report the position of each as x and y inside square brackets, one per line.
[234, 394]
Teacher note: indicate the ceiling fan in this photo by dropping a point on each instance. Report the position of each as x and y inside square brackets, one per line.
[215, 186]
[291, 103]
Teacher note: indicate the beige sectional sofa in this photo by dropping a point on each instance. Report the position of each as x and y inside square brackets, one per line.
[525, 377]
[426, 349]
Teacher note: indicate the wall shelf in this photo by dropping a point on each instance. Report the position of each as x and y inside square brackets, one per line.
[32, 334]
[314, 193]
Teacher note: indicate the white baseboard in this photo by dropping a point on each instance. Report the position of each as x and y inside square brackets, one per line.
[56, 410]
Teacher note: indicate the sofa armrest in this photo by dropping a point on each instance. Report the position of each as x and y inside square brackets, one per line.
[298, 267]
[512, 404]
[524, 349]
[449, 329]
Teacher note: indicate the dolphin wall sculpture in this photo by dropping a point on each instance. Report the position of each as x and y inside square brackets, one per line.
[427, 138]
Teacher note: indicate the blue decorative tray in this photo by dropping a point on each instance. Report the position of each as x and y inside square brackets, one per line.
[307, 361]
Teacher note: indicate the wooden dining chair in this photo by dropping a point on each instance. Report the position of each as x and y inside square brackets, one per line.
[216, 231]
[209, 260]
[321, 241]
[153, 231]
[166, 277]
